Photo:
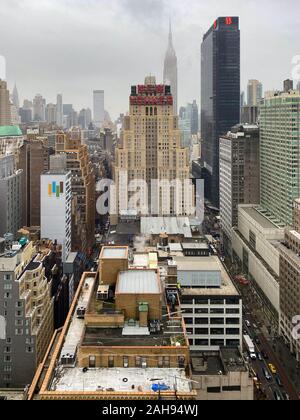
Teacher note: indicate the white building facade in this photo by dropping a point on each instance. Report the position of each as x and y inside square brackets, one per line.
[56, 207]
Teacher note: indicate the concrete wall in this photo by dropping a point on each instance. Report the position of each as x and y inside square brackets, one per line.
[258, 270]
[129, 303]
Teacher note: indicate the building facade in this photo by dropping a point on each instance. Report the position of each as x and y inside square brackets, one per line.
[56, 207]
[211, 305]
[280, 155]
[5, 113]
[83, 189]
[151, 151]
[11, 196]
[33, 159]
[170, 76]
[220, 95]
[99, 112]
[255, 92]
[289, 284]
[239, 176]
[59, 111]
[26, 314]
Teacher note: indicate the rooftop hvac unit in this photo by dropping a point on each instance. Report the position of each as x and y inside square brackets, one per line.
[81, 312]
[68, 359]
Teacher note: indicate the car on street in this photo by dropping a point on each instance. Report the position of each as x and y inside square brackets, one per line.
[277, 395]
[248, 324]
[286, 396]
[266, 374]
[260, 357]
[257, 341]
[265, 355]
[279, 382]
[272, 368]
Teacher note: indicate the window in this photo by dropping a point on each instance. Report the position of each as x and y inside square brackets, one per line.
[7, 359]
[232, 311]
[138, 362]
[30, 350]
[217, 343]
[189, 321]
[181, 362]
[233, 321]
[201, 311]
[231, 388]
[201, 331]
[201, 343]
[217, 311]
[233, 331]
[215, 301]
[111, 362]
[92, 362]
[201, 321]
[217, 321]
[217, 331]
[7, 277]
[125, 361]
[201, 301]
[8, 287]
[214, 390]
[252, 240]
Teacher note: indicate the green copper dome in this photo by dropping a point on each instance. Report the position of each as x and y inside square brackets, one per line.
[10, 131]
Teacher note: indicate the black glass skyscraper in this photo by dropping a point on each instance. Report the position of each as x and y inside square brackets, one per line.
[220, 95]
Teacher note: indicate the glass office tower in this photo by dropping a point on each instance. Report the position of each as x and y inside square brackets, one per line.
[220, 95]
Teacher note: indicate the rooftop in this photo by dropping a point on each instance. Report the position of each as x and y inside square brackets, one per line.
[169, 225]
[260, 216]
[10, 131]
[138, 282]
[214, 279]
[229, 359]
[195, 245]
[119, 380]
[114, 252]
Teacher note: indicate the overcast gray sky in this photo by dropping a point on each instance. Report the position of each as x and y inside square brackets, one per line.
[75, 46]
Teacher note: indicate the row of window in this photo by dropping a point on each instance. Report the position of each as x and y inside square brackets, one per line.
[187, 300]
[212, 321]
[214, 343]
[212, 311]
[140, 362]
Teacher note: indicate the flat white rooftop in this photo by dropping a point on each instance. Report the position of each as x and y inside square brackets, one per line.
[138, 281]
[114, 252]
[119, 380]
[168, 225]
[76, 328]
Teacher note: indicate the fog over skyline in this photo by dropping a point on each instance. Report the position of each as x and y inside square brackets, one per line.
[75, 46]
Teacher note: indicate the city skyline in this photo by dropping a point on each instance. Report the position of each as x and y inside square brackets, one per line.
[79, 77]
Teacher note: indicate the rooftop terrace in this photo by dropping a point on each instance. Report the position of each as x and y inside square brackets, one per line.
[119, 380]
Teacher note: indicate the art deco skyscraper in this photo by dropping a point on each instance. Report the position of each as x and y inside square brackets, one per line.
[151, 147]
[170, 70]
[15, 98]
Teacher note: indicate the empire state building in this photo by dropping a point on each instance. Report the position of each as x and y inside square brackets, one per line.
[170, 70]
